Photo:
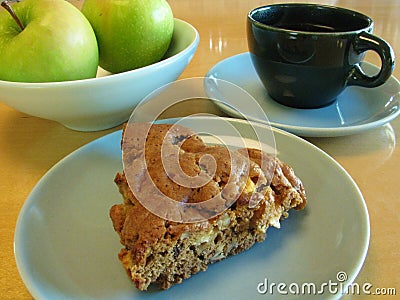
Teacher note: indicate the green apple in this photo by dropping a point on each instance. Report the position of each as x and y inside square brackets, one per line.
[57, 43]
[130, 33]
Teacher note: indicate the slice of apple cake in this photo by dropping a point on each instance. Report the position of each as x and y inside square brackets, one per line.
[164, 252]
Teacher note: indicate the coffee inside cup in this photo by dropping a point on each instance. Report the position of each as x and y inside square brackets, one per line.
[319, 20]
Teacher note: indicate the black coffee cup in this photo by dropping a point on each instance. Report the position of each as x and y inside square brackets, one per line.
[307, 54]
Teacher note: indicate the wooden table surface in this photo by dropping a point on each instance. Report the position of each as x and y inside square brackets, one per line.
[30, 146]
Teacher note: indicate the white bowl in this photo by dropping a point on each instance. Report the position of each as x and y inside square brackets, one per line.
[107, 100]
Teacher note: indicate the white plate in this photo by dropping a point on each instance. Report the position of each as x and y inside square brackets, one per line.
[65, 246]
[356, 109]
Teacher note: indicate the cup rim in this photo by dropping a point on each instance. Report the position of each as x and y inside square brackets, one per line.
[313, 5]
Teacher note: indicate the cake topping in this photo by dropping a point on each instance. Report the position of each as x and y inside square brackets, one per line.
[178, 177]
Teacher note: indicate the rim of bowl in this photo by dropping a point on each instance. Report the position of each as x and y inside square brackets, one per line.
[96, 80]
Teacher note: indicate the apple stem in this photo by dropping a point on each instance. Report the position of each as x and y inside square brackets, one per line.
[8, 8]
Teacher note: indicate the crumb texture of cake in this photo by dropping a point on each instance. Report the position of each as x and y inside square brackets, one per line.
[163, 252]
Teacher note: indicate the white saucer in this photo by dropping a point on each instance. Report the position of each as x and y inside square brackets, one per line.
[356, 109]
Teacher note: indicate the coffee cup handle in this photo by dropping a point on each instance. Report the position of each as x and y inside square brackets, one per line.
[366, 41]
